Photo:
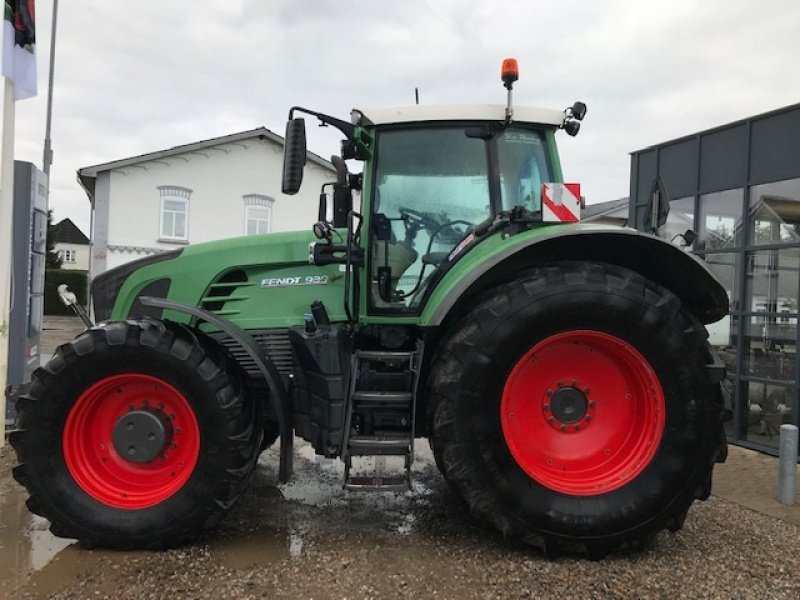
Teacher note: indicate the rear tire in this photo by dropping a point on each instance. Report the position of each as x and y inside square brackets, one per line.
[71, 441]
[573, 410]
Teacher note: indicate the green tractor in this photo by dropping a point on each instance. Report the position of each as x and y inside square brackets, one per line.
[559, 370]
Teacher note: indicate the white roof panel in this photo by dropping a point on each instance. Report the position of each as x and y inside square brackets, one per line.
[458, 112]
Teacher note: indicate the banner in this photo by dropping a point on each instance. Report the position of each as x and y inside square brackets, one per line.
[19, 39]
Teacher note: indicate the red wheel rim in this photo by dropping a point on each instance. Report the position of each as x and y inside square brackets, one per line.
[582, 413]
[96, 465]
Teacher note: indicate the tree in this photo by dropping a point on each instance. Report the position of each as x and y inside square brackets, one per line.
[51, 260]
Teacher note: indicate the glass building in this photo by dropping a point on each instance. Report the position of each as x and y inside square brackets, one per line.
[738, 188]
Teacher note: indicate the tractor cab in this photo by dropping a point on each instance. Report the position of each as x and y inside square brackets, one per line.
[436, 181]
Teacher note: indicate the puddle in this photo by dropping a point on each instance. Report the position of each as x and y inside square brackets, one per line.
[258, 548]
[26, 546]
[34, 563]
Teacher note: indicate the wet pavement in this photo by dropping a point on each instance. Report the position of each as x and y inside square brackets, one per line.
[312, 539]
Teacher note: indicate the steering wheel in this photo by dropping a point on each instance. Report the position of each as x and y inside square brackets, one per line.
[414, 222]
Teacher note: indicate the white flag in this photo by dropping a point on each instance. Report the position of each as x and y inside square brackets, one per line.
[19, 42]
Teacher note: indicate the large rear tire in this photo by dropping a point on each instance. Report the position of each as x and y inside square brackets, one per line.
[573, 409]
[135, 435]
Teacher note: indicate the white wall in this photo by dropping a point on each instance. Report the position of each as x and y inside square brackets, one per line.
[219, 177]
[81, 256]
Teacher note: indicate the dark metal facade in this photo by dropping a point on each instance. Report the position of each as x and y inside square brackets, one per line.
[738, 187]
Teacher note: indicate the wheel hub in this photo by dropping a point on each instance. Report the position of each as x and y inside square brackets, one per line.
[568, 409]
[140, 436]
[569, 405]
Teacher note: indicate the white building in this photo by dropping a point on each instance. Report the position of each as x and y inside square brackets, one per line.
[71, 245]
[219, 188]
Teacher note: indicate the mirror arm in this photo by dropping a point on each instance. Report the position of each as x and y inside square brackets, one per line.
[348, 129]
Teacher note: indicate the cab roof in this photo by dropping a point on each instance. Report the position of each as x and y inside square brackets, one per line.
[455, 112]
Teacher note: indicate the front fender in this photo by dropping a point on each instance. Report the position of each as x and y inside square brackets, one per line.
[496, 259]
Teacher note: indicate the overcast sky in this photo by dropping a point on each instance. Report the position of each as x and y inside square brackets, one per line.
[135, 77]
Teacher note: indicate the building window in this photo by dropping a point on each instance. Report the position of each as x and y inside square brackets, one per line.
[174, 222]
[775, 209]
[720, 223]
[257, 214]
[67, 256]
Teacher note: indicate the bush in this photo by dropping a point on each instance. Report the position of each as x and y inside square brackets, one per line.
[77, 282]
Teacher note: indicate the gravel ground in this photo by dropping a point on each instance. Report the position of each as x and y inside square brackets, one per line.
[310, 539]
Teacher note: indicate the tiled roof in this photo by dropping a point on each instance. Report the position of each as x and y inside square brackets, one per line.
[66, 232]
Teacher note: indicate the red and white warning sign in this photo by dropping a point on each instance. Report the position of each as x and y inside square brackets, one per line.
[561, 202]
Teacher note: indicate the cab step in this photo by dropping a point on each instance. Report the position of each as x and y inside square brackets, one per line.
[380, 423]
[395, 483]
[373, 445]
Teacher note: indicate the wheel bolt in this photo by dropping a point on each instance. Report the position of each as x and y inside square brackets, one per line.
[551, 420]
[563, 428]
[578, 427]
[549, 392]
[585, 390]
[545, 406]
[591, 404]
[560, 384]
[588, 418]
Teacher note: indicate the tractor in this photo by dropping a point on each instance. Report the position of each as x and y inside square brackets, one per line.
[559, 370]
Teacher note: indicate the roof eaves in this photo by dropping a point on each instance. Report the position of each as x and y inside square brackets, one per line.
[87, 175]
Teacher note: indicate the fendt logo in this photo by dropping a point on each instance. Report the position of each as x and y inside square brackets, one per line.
[290, 281]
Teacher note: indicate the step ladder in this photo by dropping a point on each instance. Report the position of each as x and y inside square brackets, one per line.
[372, 439]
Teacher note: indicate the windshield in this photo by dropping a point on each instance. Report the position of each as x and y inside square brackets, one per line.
[432, 186]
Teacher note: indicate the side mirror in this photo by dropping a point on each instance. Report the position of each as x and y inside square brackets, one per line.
[658, 211]
[294, 156]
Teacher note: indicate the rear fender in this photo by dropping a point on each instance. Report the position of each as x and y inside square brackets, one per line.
[497, 259]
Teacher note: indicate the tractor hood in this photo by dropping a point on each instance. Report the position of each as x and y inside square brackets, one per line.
[263, 280]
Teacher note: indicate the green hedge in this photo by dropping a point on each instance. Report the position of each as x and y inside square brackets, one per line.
[77, 282]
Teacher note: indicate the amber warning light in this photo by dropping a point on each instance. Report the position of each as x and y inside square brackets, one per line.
[509, 72]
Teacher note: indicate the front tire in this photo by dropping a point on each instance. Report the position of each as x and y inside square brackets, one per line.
[572, 409]
[135, 435]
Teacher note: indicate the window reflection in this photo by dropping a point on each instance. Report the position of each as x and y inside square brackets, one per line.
[720, 220]
[772, 281]
[768, 407]
[680, 218]
[723, 265]
[775, 210]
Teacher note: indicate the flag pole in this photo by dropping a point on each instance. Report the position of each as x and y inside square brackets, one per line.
[6, 230]
[47, 159]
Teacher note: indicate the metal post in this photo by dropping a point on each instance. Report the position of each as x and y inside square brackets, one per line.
[6, 215]
[787, 465]
[47, 159]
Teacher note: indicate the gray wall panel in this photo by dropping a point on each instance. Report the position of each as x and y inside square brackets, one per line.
[775, 147]
[678, 168]
[723, 159]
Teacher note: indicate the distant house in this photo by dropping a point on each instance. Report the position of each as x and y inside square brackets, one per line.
[71, 245]
[613, 212]
[218, 188]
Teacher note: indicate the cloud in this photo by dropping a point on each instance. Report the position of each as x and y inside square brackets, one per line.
[138, 77]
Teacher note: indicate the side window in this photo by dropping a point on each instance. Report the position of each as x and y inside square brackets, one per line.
[257, 214]
[174, 221]
[523, 168]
